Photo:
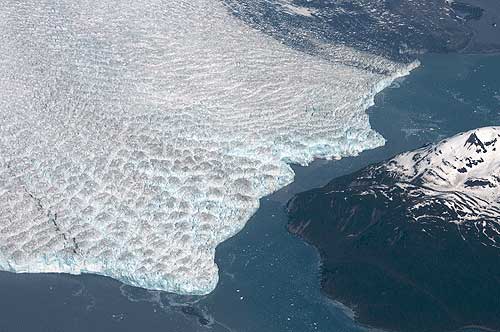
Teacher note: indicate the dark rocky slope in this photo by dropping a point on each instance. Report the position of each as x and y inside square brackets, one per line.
[412, 244]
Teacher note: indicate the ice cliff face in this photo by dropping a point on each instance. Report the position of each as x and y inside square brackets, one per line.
[136, 136]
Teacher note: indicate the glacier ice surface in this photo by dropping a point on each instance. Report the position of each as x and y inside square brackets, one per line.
[136, 136]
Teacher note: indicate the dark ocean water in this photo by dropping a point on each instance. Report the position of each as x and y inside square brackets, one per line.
[268, 278]
[400, 30]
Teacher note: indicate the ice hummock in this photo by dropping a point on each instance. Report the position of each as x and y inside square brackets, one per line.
[136, 136]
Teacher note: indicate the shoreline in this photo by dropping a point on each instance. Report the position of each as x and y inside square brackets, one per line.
[63, 265]
[292, 230]
[350, 311]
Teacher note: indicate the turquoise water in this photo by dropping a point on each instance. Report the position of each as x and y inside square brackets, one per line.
[269, 279]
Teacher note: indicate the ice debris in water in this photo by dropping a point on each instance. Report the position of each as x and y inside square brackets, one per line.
[136, 136]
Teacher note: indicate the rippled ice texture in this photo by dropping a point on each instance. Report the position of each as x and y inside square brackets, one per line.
[137, 135]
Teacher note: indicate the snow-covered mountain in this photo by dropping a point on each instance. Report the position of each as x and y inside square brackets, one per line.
[468, 162]
[456, 180]
[419, 233]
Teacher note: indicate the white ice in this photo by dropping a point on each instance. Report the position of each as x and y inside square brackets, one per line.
[293, 9]
[135, 136]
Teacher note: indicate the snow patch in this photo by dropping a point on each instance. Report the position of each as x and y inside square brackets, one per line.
[468, 162]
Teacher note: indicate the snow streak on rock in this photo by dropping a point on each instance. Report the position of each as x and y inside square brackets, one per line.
[468, 162]
[461, 175]
[136, 136]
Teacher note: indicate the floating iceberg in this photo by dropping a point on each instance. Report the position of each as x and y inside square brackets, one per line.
[137, 136]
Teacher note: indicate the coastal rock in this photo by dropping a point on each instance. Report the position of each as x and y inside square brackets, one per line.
[413, 244]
